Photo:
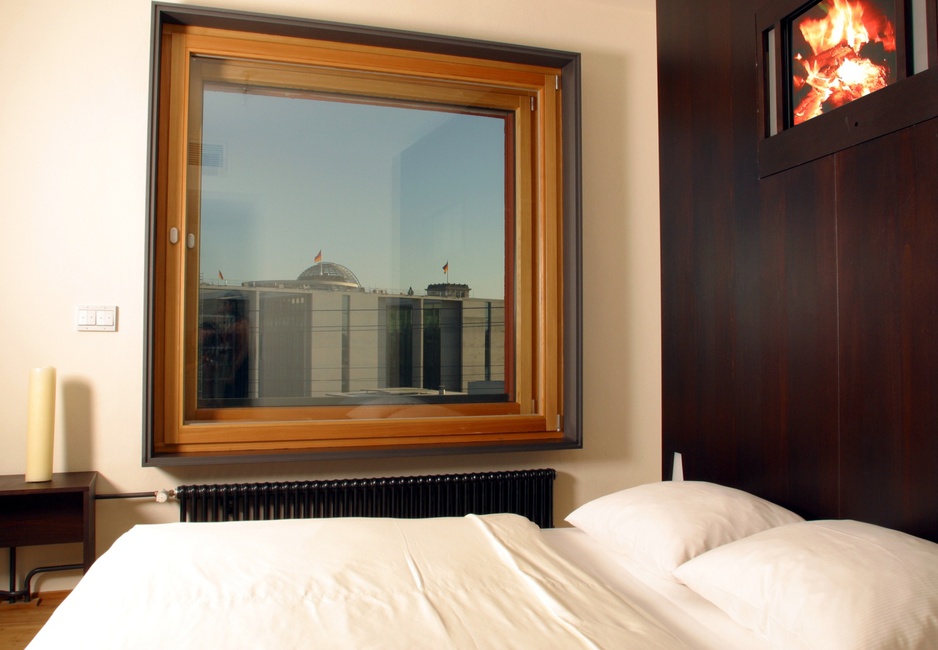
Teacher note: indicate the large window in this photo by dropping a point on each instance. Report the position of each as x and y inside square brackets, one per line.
[362, 242]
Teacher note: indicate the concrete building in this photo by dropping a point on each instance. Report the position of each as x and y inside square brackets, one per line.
[322, 339]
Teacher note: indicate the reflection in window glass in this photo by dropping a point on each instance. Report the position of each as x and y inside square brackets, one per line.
[349, 251]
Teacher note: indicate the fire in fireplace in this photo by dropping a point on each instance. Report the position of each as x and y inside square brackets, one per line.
[841, 50]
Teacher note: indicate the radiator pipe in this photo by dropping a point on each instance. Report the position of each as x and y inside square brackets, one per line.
[160, 496]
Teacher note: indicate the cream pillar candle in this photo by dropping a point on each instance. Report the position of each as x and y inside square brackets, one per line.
[40, 426]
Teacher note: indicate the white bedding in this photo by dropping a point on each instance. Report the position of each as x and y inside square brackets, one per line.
[473, 582]
[695, 621]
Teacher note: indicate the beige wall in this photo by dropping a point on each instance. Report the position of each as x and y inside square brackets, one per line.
[73, 146]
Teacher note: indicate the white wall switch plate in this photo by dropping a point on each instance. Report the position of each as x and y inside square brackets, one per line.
[96, 318]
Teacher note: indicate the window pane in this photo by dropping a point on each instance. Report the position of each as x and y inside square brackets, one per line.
[350, 250]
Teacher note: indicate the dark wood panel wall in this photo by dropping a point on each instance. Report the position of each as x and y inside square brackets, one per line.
[800, 310]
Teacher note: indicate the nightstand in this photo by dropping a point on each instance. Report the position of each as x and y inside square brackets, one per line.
[59, 511]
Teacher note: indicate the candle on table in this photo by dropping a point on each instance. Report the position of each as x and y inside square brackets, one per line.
[40, 426]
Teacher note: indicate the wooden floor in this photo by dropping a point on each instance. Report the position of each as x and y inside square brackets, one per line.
[20, 621]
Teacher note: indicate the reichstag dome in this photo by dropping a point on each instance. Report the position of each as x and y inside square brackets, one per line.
[324, 276]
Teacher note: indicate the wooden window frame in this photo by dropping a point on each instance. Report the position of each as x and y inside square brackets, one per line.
[545, 412]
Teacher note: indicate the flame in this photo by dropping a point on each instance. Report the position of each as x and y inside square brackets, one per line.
[837, 72]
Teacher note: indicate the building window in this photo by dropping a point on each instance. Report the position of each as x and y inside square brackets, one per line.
[358, 242]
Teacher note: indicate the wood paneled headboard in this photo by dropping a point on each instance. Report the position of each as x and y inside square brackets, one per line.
[799, 310]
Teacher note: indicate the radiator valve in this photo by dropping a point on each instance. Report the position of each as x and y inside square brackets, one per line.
[162, 496]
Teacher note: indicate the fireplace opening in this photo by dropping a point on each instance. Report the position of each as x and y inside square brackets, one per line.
[840, 50]
[817, 56]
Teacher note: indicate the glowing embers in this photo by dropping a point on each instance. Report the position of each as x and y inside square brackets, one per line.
[841, 51]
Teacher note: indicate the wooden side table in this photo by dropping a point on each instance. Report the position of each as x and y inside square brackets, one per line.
[59, 511]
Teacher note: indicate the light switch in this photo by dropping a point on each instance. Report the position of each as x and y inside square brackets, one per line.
[97, 318]
[104, 317]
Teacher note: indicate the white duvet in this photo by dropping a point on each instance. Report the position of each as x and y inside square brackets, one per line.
[474, 582]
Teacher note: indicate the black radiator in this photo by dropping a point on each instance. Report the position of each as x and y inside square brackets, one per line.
[523, 492]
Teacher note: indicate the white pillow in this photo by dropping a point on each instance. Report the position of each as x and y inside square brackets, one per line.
[825, 584]
[662, 525]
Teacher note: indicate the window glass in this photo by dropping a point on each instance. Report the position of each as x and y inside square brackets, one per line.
[348, 250]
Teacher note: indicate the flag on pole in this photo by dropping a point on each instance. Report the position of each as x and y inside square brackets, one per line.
[220, 276]
[446, 267]
[318, 257]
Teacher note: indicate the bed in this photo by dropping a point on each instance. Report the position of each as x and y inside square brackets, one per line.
[665, 565]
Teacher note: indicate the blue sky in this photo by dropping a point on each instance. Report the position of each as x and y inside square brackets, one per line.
[391, 193]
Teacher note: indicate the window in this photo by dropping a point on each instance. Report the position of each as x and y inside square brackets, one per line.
[361, 242]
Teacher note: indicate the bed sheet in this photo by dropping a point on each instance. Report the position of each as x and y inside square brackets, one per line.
[694, 620]
[473, 582]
